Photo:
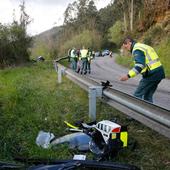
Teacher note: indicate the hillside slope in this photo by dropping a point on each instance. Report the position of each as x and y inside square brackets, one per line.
[45, 43]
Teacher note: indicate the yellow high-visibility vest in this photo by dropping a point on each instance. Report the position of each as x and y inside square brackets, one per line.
[151, 58]
[83, 53]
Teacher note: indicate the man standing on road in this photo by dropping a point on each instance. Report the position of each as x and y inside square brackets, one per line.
[73, 59]
[83, 54]
[89, 58]
[148, 64]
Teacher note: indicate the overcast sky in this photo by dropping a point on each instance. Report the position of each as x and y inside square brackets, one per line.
[45, 13]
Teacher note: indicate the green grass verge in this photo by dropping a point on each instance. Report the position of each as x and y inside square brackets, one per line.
[163, 50]
[31, 100]
[125, 61]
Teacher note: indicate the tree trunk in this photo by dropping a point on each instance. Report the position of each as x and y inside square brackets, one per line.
[125, 22]
[131, 16]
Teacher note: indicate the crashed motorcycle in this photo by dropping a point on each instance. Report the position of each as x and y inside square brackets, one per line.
[107, 137]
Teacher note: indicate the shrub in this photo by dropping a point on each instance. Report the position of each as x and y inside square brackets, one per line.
[87, 38]
[115, 33]
[163, 52]
[153, 35]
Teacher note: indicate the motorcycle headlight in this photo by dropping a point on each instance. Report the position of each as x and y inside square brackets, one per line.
[94, 148]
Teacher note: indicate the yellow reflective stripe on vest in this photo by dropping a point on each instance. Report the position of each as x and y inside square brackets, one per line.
[154, 64]
[151, 58]
[132, 73]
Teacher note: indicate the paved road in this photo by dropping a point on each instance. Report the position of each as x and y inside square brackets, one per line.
[105, 68]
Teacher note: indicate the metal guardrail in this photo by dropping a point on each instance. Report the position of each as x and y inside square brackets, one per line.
[148, 114]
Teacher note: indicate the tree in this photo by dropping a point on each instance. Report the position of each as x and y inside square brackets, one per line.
[24, 17]
[128, 10]
[70, 13]
[14, 41]
[80, 16]
[115, 33]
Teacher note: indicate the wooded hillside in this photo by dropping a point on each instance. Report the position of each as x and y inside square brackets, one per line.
[144, 20]
[85, 25]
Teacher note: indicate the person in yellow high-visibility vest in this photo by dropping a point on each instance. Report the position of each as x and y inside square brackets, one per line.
[83, 55]
[148, 64]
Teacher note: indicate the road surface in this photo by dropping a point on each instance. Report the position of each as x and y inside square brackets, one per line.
[105, 68]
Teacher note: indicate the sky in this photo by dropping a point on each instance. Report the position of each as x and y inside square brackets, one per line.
[45, 14]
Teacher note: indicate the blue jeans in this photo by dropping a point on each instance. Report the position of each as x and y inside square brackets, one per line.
[73, 64]
[84, 66]
[88, 66]
[146, 89]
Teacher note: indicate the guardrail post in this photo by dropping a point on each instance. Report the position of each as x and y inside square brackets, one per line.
[55, 66]
[60, 70]
[59, 75]
[94, 91]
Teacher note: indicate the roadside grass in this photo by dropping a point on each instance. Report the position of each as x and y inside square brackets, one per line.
[31, 100]
[125, 61]
[164, 51]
